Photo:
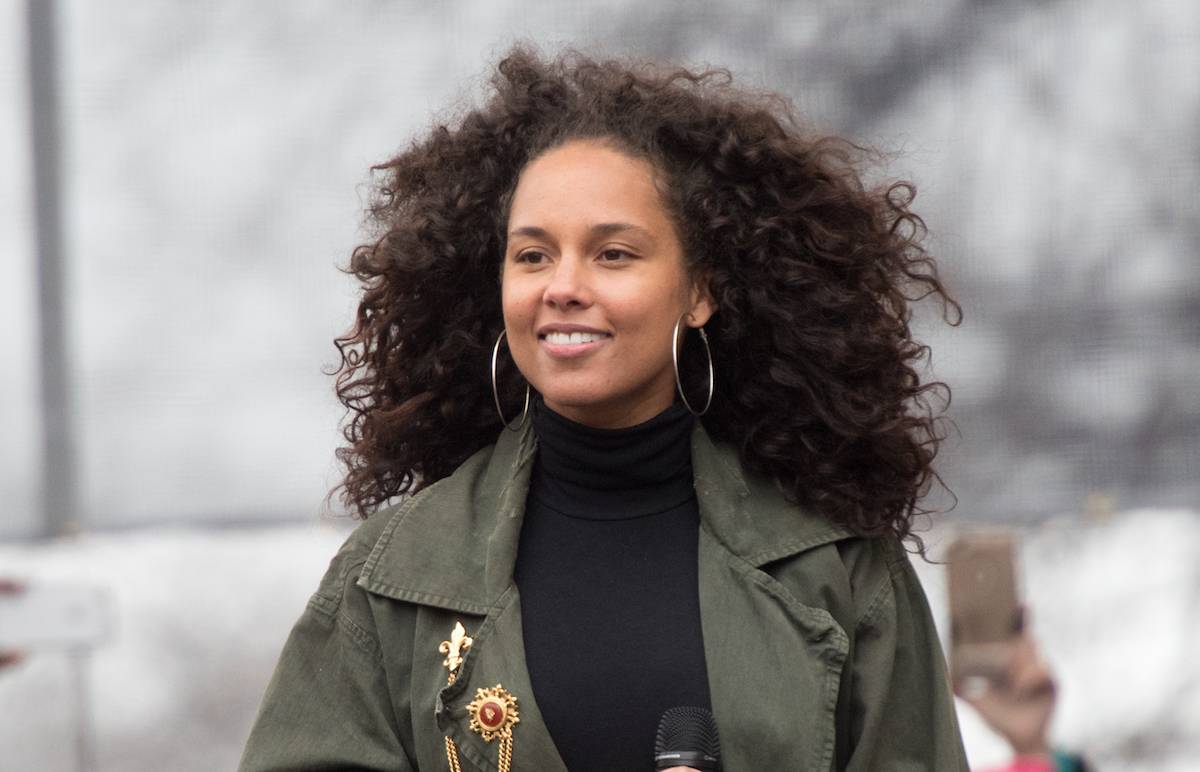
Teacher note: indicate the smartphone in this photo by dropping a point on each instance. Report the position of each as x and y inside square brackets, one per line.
[985, 606]
[41, 616]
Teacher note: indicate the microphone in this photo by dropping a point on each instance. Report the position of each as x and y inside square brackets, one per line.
[687, 737]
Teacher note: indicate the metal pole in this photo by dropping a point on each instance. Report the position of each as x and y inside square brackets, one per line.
[85, 744]
[59, 513]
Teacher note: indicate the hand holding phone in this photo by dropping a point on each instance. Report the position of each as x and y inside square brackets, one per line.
[994, 661]
[1021, 705]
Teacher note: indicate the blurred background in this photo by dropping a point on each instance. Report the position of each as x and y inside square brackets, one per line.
[180, 182]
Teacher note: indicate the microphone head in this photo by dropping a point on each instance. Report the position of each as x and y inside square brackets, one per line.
[687, 737]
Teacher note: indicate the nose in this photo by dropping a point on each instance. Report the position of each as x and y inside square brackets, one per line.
[568, 285]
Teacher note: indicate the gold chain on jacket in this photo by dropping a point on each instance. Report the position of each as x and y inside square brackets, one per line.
[493, 711]
[452, 755]
[504, 763]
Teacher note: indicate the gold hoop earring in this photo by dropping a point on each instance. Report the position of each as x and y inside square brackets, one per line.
[675, 361]
[496, 392]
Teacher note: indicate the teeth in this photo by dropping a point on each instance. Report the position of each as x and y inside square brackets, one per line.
[569, 338]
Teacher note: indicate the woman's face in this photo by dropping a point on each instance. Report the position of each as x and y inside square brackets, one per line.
[593, 283]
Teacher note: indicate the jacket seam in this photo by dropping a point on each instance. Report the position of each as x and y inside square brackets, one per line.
[877, 603]
[359, 636]
[427, 598]
[331, 609]
[899, 564]
[788, 549]
[323, 605]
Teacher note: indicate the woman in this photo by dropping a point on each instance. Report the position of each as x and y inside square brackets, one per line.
[690, 490]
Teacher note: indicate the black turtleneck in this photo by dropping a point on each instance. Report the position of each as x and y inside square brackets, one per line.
[607, 574]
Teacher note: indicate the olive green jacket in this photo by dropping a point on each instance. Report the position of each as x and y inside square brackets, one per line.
[820, 647]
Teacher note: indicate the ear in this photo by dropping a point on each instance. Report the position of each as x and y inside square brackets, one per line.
[701, 305]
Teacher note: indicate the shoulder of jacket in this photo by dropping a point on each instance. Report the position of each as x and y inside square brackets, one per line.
[875, 567]
[455, 489]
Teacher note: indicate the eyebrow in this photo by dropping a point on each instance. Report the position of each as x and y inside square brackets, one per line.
[599, 229]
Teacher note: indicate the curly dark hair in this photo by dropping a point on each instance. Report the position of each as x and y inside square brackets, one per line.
[812, 273]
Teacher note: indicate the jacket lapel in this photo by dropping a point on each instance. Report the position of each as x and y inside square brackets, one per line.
[497, 659]
[453, 546]
[773, 663]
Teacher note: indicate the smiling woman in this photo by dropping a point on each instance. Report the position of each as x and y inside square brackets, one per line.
[685, 480]
[590, 305]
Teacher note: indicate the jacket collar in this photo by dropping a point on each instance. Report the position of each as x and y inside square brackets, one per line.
[454, 544]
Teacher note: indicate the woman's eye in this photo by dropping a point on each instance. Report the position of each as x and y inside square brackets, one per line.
[612, 255]
[532, 256]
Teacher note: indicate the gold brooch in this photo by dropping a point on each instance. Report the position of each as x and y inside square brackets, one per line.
[493, 713]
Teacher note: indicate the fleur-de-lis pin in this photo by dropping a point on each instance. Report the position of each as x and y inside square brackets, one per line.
[453, 649]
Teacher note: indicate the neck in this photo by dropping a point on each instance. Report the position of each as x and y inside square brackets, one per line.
[622, 413]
